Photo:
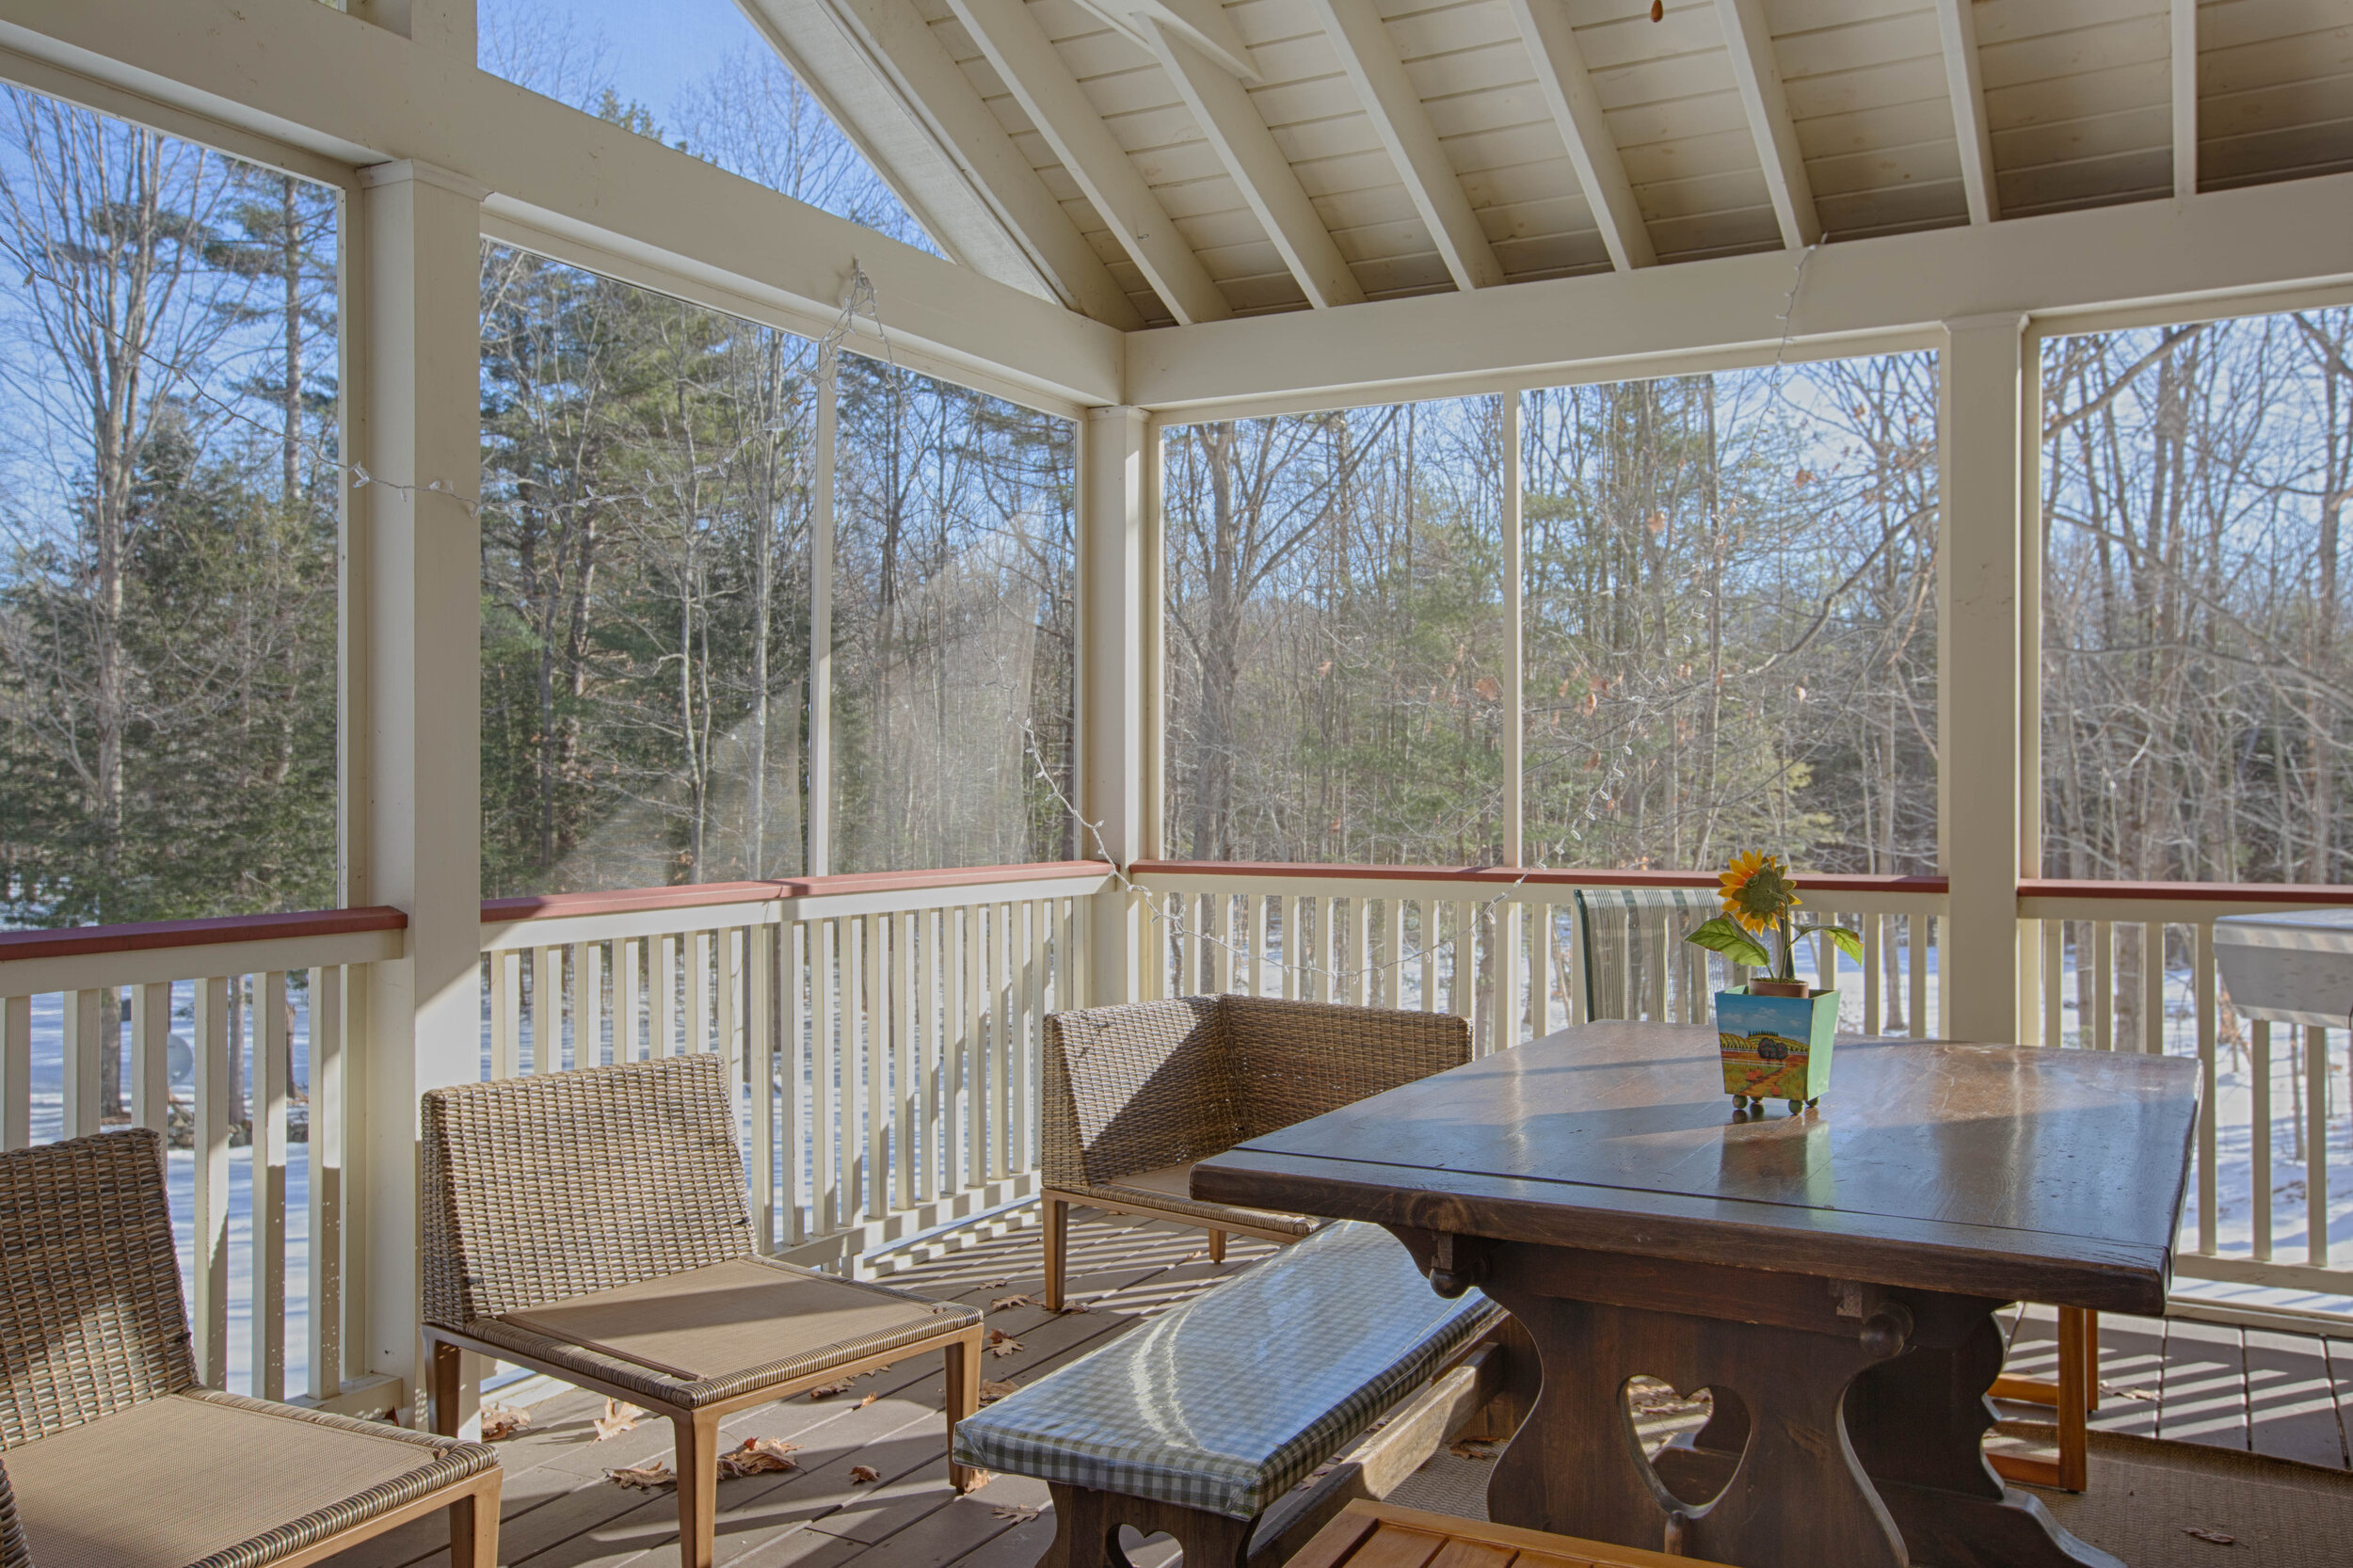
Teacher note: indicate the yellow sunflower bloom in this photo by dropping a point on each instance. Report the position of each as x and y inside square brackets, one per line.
[1756, 891]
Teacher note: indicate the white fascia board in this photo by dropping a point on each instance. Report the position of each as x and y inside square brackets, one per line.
[297, 72]
[2193, 255]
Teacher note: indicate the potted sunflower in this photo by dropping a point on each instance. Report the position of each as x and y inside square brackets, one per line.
[1776, 1031]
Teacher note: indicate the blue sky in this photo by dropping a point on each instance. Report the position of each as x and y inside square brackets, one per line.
[654, 47]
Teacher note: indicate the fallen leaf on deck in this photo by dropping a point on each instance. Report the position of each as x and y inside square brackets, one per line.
[1001, 1302]
[1077, 1307]
[1019, 1511]
[503, 1421]
[996, 1390]
[756, 1456]
[861, 1474]
[979, 1479]
[617, 1419]
[2128, 1393]
[827, 1390]
[2216, 1536]
[1190, 1255]
[995, 1283]
[1470, 1448]
[868, 1399]
[1002, 1345]
[646, 1478]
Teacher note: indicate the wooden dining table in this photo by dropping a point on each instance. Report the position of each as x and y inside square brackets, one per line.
[1832, 1277]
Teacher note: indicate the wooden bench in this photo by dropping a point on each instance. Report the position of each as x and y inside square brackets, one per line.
[1374, 1535]
[1204, 1421]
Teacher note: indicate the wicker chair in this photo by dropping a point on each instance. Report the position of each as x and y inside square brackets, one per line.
[118, 1456]
[592, 1226]
[1135, 1095]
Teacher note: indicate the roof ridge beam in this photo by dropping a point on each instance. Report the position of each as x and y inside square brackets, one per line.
[1749, 42]
[2185, 98]
[1957, 24]
[1223, 108]
[1038, 77]
[1560, 62]
[1362, 42]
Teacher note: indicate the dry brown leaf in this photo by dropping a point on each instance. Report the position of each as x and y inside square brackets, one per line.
[868, 1399]
[996, 1390]
[1002, 1345]
[2122, 1393]
[1470, 1448]
[1001, 1302]
[827, 1390]
[756, 1456]
[2216, 1536]
[979, 1479]
[617, 1419]
[1077, 1307]
[503, 1421]
[862, 1474]
[1022, 1512]
[646, 1478]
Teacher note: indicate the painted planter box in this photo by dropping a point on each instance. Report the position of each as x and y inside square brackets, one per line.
[1776, 1047]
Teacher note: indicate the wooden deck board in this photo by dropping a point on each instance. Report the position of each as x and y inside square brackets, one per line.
[2283, 1395]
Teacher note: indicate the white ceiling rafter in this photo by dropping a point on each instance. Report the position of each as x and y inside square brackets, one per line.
[1042, 83]
[1750, 44]
[1955, 23]
[1202, 24]
[908, 64]
[1362, 42]
[1222, 108]
[1560, 64]
[2185, 98]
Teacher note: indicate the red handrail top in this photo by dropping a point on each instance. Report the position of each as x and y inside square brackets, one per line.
[146, 935]
[2284, 893]
[630, 901]
[1506, 876]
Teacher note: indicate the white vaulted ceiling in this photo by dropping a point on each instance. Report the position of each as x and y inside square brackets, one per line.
[1155, 161]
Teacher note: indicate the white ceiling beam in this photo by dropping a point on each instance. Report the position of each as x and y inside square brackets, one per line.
[300, 72]
[1855, 297]
[1041, 82]
[1955, 23]
[1750, 44]
[1201, 23]
[1559, 63]
[947, 147]
[2185, 98]
[1222, 108]
[1388, 98]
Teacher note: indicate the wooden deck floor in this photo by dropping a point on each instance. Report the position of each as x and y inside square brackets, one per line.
[2284, 1395]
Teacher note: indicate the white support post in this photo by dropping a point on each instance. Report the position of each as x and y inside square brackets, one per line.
[1115, 539]
[1508, 941]
[1979, 651]
[414, 647]
[821, 529]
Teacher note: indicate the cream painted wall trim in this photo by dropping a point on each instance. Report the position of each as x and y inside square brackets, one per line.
[1040, 80]
[1363, 44]
[297, 72]
[1749, 42]
[1559, 63]
[1957, 27]
[1857, 296]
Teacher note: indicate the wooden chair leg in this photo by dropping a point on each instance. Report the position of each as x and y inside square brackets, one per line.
[2077, 1384]
[1217, 1246]
[446, 1398]
[473, 1526]
[963, 1398]
[695, 1435]
[1057, 1250]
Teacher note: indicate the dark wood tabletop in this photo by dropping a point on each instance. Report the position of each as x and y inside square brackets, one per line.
[2006, 1171]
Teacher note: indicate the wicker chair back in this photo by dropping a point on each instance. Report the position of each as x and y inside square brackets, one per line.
[13, 1552]
[92, 1320]
[557, 1185]
[1294, 1060]
[1136, 1088]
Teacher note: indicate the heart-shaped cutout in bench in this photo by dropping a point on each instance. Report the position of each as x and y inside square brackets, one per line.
[1693, 1440]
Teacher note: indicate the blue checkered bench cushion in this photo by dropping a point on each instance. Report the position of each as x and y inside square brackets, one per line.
[1228, 1401]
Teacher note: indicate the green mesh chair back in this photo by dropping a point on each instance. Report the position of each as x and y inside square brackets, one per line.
[1636, 964]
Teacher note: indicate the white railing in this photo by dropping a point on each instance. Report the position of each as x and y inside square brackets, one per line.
[254, 1120]
[883, 1030]
[2278, 1117]
[1425, 938]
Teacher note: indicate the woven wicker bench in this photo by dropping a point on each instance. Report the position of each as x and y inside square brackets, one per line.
[1202, 1422]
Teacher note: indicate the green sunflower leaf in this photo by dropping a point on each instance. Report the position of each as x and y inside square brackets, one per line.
[1722, 936]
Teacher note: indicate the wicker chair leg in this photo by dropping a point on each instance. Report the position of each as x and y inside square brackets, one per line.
[473, 1527]
[446, 1398]
[963, 1398]
[1217, 1246]
[1057, 1250]
[695, 1438]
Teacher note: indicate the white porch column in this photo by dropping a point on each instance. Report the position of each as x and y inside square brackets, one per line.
[1116, 618]
[413, 571]
[1980, 673]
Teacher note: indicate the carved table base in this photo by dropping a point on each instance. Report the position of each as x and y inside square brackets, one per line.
[1848, 1419]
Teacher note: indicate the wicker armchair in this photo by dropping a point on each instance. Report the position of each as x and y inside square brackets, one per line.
[116, 1455]
[592, 1226]
[1135, 1095]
